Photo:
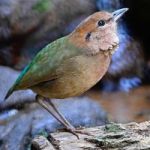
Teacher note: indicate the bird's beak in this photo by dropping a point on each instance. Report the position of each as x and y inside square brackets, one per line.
[118, 13]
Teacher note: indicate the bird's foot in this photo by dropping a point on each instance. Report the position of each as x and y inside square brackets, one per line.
[76, 131]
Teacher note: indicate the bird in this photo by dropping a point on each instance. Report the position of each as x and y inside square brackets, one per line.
[73, 64]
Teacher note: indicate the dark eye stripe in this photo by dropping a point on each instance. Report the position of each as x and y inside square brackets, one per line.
[88, 36]
[108, 20]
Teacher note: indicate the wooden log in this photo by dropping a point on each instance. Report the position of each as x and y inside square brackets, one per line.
[41, 142]
[131, 136]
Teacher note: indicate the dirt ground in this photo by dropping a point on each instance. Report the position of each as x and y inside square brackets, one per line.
[125, 107]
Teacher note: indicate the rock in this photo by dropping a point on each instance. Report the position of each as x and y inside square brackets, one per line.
[21, 118]
[44, 144]
[82, 112]
[27, 26]
[32, 120]
[113, 136]
[7, 79]
[18, 137]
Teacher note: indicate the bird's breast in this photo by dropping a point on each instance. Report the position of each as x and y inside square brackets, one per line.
[78, 75]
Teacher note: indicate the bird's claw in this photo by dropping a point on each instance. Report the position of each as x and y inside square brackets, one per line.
[75, 131]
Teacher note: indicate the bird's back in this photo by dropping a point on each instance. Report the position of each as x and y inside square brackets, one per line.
[44, 66]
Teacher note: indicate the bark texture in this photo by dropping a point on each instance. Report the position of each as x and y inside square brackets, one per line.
[131, 136]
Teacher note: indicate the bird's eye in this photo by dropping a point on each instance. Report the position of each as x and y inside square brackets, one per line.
[101, 23]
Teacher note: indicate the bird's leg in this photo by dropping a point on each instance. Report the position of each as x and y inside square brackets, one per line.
[69, 127]
[61, 116]
[50, 107]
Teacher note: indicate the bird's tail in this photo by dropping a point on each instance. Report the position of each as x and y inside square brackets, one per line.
[10, 91]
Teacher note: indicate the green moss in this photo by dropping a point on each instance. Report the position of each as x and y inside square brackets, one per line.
[102, 142]
[28, 147]
[113, 128]
[42, 6]
[43, 133]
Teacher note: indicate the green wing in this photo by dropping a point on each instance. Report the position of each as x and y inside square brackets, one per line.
[44, 66]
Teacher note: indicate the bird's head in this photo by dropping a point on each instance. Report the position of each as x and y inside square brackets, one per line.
[98, 32]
